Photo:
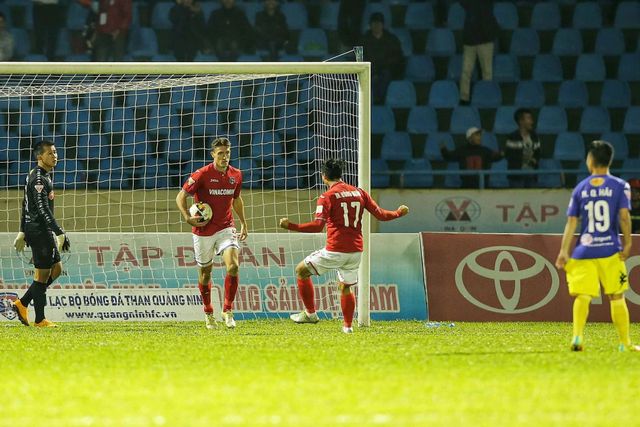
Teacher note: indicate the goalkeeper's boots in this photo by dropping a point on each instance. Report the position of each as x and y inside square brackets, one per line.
[46, 324]
[347, 329]
[630, 347]
[576, 344]
[227, 316]
[210, 321]
[21, 311]
[304, 317]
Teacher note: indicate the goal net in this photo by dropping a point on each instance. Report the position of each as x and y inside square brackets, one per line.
[129, 135]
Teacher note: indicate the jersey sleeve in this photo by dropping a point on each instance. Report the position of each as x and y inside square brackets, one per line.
[377, 211]
[40, 193]
[192, 184]
[323, 208]
[236, 193]
[625, 197]
[574, 204]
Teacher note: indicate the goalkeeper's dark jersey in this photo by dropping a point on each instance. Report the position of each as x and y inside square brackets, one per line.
[37, 205]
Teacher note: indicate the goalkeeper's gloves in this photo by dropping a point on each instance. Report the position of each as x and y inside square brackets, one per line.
[63, 243]
[19, 243]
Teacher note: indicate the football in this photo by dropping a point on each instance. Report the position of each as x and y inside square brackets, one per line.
[201, 209]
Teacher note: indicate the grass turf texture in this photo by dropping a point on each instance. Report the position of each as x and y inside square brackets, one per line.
[279, 373]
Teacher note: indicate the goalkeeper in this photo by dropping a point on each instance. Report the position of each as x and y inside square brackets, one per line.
[40, 231]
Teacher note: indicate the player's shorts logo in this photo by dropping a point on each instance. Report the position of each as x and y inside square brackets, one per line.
[458, 209]
[5, 304]
[487, 276]
[586, 239]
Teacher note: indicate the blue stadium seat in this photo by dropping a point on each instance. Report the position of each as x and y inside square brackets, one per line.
[547, 68]
[76, 16]
[313, 42]
[629, 67]
[444, 94]
[545, 16]
[432, 145]
[441, 42]
[420, 68]
[143, 42]
[78, 57]
[490, 140]
[119, 120]
[595, 119]
[135, 146]
[505, 68]
[179, 149]
[529, 94]
[33, 122]
[549, 180]
[619, 142]
[142, 98]
[422, 120]
[396, 146]
[251, 10]
[486, 94]
[91, 147]
[524, 42]
[182, 98]
[160, 16]
[464, 117]
[630, 165]
[628, 15]
[161, 120]
[374, 8]
[379, 179]
[452, 181]
[266, 146]
[329, 15]
[418, 180]
[567, 42]
[590, 68]
[114, 175]
[401, 94]
[569, 146]
[587, 15]
[293, 120]
[609, 42]
[156, 173]
[21, 42]
[615, 94]
[208, 7]
[77, 122]
[205, 121]
[63, 47]
[454, 69]
[296, 14]
[165, 57]
[504, 122]
[506, 14]
[632, 120]
[406, 43]
[229, 95]
[552, 120]
[285, 174]
[272, 93]
[382, 120]
[573, 94]
[498, 177]
[419, 16]
[455, 16]
[205, 57]
[35, 57]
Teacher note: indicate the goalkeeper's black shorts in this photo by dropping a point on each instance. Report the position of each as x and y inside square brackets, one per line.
[43, 248]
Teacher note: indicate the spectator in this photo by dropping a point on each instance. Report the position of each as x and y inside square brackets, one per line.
[384, 52]
[47, 19]
[350, 21]
[480, 30]
[272, 32]
[188, 29]
[229, 31]
[472, 156]
[6, 40]
[114, 20]
[635, 205]
[522, 150]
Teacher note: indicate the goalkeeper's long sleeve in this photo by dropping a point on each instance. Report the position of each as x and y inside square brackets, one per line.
[315, 226]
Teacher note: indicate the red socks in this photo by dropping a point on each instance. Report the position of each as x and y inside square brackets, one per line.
[230, 289]
[305, 289]
[205, 293]
[348, 303]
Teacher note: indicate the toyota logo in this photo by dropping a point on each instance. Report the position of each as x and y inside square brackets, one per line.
[497, 274]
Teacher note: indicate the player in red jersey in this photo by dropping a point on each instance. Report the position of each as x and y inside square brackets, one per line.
[340, 208]
[217, 184]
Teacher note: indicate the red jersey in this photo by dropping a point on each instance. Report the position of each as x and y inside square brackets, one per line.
[341, 208]
[218, 189]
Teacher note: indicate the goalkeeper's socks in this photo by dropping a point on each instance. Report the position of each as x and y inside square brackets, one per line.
[205, 293]
[28, 296]
[580, 314]
[39, 292]
[348, 303]
[620, 318]
[230, 289]
[305, 288]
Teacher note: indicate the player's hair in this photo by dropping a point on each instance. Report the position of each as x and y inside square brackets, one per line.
[220, 142]
[332, 169]
[601, 153]
[39, 147]
[519, 114]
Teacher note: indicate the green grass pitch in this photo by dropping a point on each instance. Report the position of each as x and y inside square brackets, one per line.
[277, 373]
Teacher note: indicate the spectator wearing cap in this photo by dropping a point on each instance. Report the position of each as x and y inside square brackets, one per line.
[383, 50]
[188, 29]
[479, 33]
[522, 150]
[472, 156]
[6, 40]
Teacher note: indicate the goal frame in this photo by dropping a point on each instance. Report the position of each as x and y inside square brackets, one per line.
[361, 69]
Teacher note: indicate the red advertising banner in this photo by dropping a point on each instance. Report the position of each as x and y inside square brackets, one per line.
[507, 277]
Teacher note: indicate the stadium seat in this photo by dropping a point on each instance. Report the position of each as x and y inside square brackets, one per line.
[143, 42]
[420, 68]
[21, 42]
[272, 93]
[547, 68]
[545, 16]
[489, 140]
[628, 15]
[615, 94]
[313, 42]
[619, 142]
[595, 119]
[396, 146]
[498, 176]
[77, 122]
[33, 122]
[505, 68]
[379, 177]
[567, 42]
[135, 147]
[372, 8]
[529, 94]
[569, 146]
[89, 146]
[524, 42]
[229, 95]
[419, 16]
[164, 57]
[35, 57]
[296, 14]
[160, 16]
[208, 7]
[205, 121]
[629, 67]
[441, 42]
[455, 16]
[52, 103]
[552, 120]
[156, 173]
[179, 149]
[590, 68]
[610, 42]
[454, 69]
[329, 15]
[382, 120]
[423, 178]
[486, 94]
[401, 94]
[119, 120]
[628, 167]
[422, 120]
[549, 180]
[251, 10]
[464, 117]
[453, 180]
[205, 57]
[76, 16]
[573, 94]
[506, 14]
[632, 120]
[504, 122]
[587, 15]
[142, 98]
[444, 94]
[432, 145]
[161, 119]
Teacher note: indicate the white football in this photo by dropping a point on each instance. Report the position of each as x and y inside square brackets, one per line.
[201, 209]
